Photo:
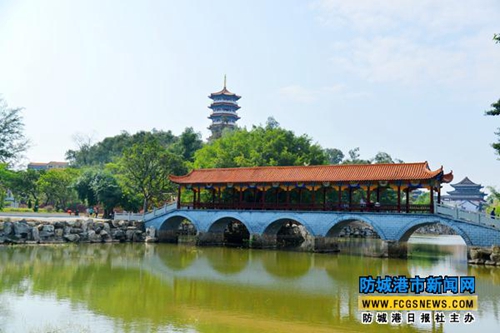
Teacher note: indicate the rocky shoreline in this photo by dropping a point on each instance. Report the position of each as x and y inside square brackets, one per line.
[32, 231]
[484, 256]
[29, 231]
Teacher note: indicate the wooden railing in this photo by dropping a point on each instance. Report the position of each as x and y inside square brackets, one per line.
[309, 207]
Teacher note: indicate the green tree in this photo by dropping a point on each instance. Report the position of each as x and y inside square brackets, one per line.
[111, 148]
[354, 157]
[334, 155]
[5, 179]
[57, 186]
[106, 190]
[145, 168]
[24, 184]
[83, 186]
[187, 144]
[385, 158]
[260, 146]
[495, 111]
[12, 140]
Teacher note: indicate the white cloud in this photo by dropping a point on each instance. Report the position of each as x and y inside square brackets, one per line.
[427, 16]
[415, 43]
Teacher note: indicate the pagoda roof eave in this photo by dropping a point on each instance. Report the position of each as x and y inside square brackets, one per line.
[321, 173]
[234, 116]
[224, 92]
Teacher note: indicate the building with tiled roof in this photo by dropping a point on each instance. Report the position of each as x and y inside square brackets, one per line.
[224, 115]
[466, 194]
[271, 187]
[47, 166]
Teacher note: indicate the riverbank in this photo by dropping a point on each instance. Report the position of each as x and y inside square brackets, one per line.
[53, 231]
[86, 230]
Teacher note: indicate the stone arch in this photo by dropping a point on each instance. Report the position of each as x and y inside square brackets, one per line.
[411, 227]
[272, 227]
[234, 229]
[288, 231]
[169, 230]
[336, 227]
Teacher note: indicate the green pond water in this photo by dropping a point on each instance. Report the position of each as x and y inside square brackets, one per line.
[178, 288]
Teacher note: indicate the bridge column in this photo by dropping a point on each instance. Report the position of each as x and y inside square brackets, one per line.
[258, 241]
[210, 238]
[325, 244]
[168, 236]
[394, 249]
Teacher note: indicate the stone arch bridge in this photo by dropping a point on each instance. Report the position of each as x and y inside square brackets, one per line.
[322, 228]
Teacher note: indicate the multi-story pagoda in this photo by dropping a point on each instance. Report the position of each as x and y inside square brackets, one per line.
[466, 194]
[224, 107]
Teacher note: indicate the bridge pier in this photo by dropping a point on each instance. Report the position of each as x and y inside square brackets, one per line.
[326, 244]
[210, 238]
[258, 241]
[167, 236]
[395, 249]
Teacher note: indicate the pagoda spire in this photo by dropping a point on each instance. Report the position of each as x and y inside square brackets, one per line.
[224, 81]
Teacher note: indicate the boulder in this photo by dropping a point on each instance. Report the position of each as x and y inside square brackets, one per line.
[130, 234]
[119, 235]
[93, 237]
[67, 230]
[35, 234]
[59, 232]
[22, 229]
[8, 228]
[479, 253]
[59, 224]
[107, 228]
[495, 257]
[489, 262]
[138, 236]
[73, 238]
[104, 234]
[47, 231]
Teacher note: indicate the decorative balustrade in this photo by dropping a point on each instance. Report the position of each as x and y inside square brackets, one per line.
[465, 215]
[147, 216]
[127, 216]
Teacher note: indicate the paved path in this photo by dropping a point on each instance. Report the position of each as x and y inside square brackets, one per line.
[43, 216]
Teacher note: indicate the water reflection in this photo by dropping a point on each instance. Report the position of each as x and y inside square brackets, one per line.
[227, 260]
[166, 288]
[177, 258]
[283, 264]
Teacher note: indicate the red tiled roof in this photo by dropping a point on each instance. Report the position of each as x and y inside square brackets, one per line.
[318, 173]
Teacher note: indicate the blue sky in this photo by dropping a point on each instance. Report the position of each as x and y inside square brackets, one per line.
[411, 78]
